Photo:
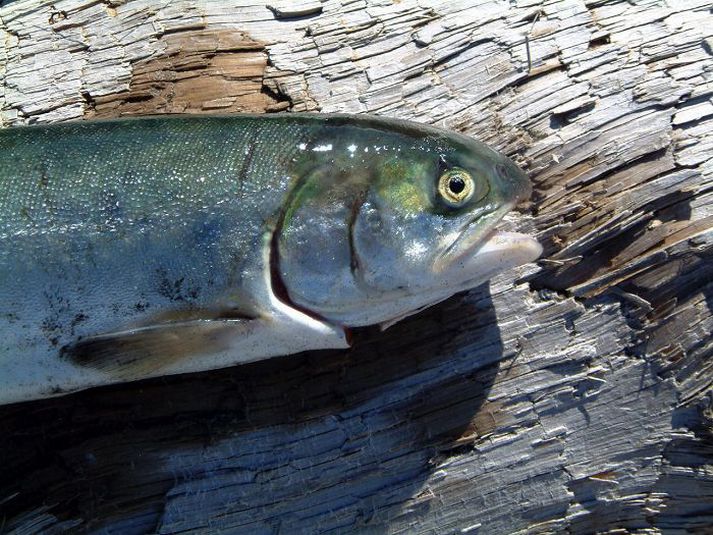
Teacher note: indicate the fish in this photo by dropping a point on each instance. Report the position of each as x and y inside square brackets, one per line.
[141, 247]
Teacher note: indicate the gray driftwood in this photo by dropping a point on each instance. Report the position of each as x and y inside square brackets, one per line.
[572, 396]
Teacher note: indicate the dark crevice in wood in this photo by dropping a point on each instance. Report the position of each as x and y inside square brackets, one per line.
[298, 14]
[689, 102]
[558, 120]
[447, 58]
[600, 41]
[601, 256]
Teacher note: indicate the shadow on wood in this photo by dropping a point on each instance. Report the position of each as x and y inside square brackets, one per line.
[264, 439]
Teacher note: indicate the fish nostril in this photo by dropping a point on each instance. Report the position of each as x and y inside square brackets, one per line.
[502, 172]
[514, 179]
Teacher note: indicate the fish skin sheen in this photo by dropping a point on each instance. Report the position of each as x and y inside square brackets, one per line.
[141, 247]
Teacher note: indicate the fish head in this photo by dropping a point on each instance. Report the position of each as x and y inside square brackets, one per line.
[398, 219]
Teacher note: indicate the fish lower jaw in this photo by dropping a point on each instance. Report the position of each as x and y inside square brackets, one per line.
[497, 252]
[513, 247]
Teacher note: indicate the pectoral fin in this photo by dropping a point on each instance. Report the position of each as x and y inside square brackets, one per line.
[141, 352]
[201, 339]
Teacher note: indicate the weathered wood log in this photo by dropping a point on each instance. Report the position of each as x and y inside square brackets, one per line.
[572, 396]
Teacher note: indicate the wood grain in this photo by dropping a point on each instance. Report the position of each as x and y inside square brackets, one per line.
[570, 396]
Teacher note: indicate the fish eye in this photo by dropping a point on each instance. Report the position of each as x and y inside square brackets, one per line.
[456, 187]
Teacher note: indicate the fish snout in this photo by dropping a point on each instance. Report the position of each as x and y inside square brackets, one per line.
[514, 182]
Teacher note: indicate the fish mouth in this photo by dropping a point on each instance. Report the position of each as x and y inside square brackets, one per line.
[508, 247]
[475, 253]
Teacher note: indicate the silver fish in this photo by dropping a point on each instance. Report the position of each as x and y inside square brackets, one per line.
[142, 247]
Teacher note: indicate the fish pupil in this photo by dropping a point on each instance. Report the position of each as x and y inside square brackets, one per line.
[456, 184]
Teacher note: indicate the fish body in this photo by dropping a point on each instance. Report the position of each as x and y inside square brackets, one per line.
[141, 247]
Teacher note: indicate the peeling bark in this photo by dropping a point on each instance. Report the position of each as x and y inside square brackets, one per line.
[197, 71]
[574, 395]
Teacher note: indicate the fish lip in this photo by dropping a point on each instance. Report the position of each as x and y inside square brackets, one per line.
[469, 245]
[521, 247]
[467, 250]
